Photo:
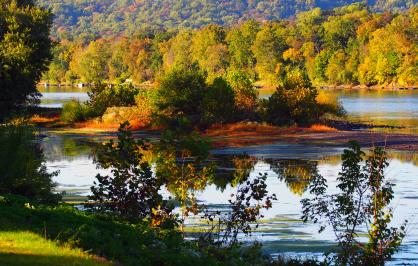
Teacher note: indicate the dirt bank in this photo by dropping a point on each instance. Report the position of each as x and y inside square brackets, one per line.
[238, 135]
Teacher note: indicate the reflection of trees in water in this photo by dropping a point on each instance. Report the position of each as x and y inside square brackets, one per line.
[402, 156]
[58, 148]
[297, 174]
[232, 170]
[22, 168]
[405, 157]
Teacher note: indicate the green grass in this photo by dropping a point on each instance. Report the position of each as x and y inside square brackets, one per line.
[58, 235]
[123, 243]
[130, 245]
[27, 248]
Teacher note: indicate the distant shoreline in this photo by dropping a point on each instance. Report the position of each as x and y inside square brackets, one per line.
[373, 88]
[262, 87]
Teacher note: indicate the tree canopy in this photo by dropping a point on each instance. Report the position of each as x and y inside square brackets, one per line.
[89, 18]
[24, 51]
[345, 45]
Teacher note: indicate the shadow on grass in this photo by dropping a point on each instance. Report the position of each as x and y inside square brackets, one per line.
[44, 260]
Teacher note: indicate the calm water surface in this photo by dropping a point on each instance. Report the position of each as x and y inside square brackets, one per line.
[281, 229]
[394, 108]
[56, 97]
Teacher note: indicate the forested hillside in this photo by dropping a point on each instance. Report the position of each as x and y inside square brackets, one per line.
[92, 18]
[347, 45]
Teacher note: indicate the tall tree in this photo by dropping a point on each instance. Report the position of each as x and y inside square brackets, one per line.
[25, 51]
[210, 51]
[91, 65]
[268, 49]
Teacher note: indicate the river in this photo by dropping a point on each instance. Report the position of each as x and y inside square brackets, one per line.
[281, 230]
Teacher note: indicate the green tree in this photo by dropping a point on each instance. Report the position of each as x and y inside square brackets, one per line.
[209, 50]
[268, 49]
[388, 49]
[92, 64]
[131, 192]
[309, 24]
[219, 103]
[240, 40]
[103, 96]
[362, 202]
[180, 97]
[177, 51]
[59, 65]
[138, 60]
[294, 102]
[25, 51]
[246, 96]
[118, 67]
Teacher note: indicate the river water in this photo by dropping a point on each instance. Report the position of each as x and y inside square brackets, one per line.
[281, 230]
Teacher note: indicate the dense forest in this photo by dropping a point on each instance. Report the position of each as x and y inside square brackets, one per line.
[92, 18]
[345, 45]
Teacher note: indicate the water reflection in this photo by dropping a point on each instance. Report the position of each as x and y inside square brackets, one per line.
[393, 108]
[232, 170]
[288, 166]
[297, 174]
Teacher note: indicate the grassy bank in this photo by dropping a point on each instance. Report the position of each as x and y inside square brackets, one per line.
[27, 248]
[130, 245]
[25, 228]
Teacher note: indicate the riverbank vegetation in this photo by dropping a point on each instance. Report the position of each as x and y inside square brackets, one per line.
[128, 221]
[185, 98]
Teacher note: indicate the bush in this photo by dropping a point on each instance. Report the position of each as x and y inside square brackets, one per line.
[246, 95]
[130, 192]
[180, 97]
[219, 103]
[125, 244]
[104, 96]
[296, 101]
[145, 102]
[287, 106]
[119, 115]
[362, 202]
[75, 111]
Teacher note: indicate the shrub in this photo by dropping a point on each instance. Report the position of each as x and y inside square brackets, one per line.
[246, 210]
[296, 101]
[119, 115]
[145, 102]
[180, 97]
[291, 105]
[246, 95]
[75, 111]
[104, 96]
[130, 192]
[218, 103]
[123, 243]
